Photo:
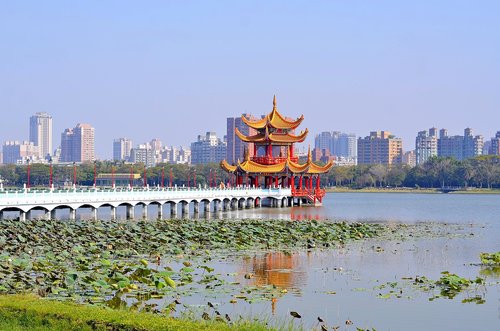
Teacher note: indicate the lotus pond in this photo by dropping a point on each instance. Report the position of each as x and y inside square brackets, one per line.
[371, 272]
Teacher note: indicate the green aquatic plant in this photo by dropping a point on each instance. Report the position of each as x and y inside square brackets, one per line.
[490, 259]
[451, 284]
[141, 263]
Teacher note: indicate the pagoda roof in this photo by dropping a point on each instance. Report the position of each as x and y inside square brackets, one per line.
[273, 137]
[273, 119]
[249, 166]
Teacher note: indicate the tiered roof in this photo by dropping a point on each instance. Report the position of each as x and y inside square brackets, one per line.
[274, 119]
[286, 138]
[249, 166]
[275, 129]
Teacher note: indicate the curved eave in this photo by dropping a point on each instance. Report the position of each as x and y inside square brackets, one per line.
[278, 121]
[250, 139]
[273, 137]
[297, 168]
[288, 138]
[259, 124]
[227, 167]
[308, 168]
[254, 167]
[316, 169]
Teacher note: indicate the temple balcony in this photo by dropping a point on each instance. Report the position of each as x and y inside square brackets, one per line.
[272, 160]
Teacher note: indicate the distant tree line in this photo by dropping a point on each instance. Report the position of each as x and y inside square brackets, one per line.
[17, 175]
[481, 172]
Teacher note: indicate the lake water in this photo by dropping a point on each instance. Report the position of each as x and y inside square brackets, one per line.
[343, 284]
[346, 283]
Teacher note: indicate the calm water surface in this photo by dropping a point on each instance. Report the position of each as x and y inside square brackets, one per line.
[354, 272]
[341, 284]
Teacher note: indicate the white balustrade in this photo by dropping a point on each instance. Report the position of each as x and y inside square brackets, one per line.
[50, 199]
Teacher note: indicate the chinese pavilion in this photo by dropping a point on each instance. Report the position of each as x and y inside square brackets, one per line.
[272, 158]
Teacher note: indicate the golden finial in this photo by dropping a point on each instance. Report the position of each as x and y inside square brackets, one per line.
[274, 100]
[309, 154]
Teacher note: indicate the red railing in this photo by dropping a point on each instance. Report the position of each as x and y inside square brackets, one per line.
[314, 194]
[272, 160]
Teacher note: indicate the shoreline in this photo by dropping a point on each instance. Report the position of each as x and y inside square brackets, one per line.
[410, 190]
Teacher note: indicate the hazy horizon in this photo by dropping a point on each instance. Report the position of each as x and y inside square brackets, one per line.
[173, 70]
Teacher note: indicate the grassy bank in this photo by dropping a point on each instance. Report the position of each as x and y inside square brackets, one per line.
[28, 312]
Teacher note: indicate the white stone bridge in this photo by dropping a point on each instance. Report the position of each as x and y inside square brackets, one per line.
[211, 199]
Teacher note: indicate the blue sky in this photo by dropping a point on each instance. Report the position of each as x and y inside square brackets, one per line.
[175, 69]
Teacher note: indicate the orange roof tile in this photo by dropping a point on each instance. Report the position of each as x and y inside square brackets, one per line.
[273, 137]
[273, 119]
[249, 166]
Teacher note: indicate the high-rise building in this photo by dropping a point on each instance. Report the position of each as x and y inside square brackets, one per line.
[450, 146]
[460, 147]
[143, 153]
[121, 149]
[410, 158]
[41, 133]
[495, 144]
[18, 152]
[157, 146]
[339, 145]
[184, 156]
[323, 141]
[380, 147]
[208, 149]
[473, 145]
[77, 144]
[235, 147]
[426, 145]
[344, 145]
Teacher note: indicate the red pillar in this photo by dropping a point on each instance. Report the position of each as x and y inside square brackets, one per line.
[50, 178]
[269, 151]
[95, 174]
[74, 174]
[131, 178]
[317, 182]
[276, 181]
[300, 182]
[310, 183]
[29, 170]
[162, 176]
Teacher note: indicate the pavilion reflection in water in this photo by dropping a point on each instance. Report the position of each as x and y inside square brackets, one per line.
[282, 270]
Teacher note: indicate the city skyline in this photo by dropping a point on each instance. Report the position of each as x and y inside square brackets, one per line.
[338, 144]
[177, 69]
